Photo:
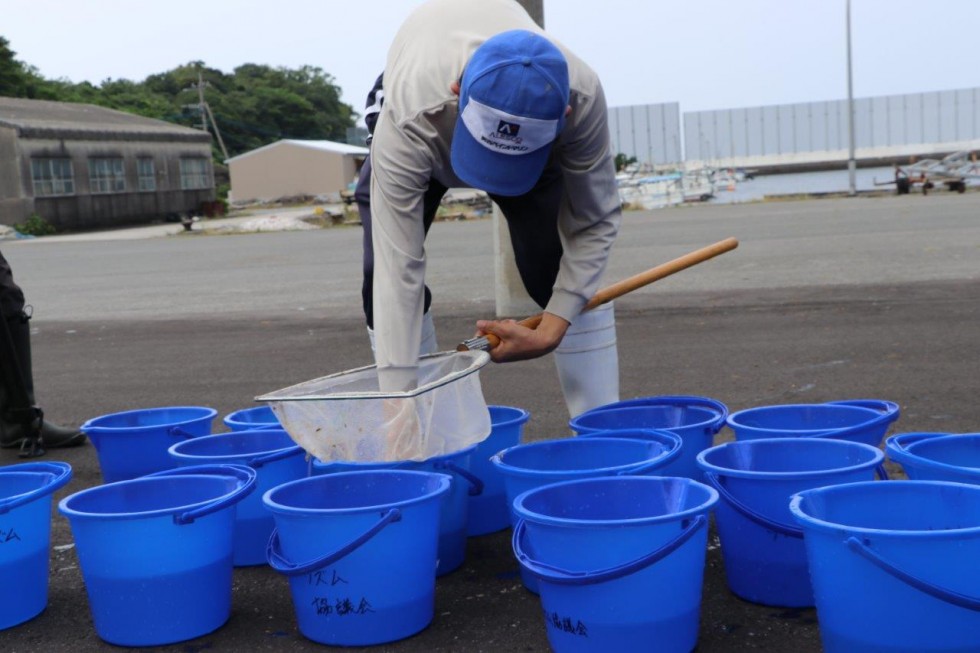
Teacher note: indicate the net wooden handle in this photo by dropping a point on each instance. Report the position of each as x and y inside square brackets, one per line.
[630, 284]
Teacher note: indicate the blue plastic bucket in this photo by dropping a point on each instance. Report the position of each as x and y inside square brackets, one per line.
[859, 420]
[359, 549]
[894, 565]
[249, 419]
[670, 440]
[761, 544]
[619, 561]
[671, 400]
[25, 537]
[275, 458]
[488, 511]
[455, 505]
[695, 419]
[156, 552]
[528, 466]
[135, 442]
[937, 456]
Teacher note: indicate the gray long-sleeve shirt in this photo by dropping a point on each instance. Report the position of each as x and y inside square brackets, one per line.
[411, 146]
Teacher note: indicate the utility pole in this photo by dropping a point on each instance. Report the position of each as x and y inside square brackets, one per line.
[851, 163]
[217, 132]
[205, 109]
[200, 100]
[510, 295]
[534, 8]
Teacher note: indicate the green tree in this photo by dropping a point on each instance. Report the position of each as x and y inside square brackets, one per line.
[622, 161]
[253, 105]
[13, 76]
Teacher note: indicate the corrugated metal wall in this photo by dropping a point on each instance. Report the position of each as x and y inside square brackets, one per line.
[650, 132]
[893, 120]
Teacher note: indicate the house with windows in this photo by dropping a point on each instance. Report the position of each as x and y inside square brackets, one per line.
[81, 166]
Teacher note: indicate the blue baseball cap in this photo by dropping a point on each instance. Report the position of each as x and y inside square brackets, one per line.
[512, 102]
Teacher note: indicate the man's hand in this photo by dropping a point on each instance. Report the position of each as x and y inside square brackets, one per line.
[519, 343]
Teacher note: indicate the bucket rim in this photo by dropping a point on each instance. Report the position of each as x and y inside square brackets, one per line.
[364, 466]
[547, 520]
[512, 470]
[732, 420]
[677, 401]
[625, 434]
[808, 521]
[576, 422]
[268, 498]
[174, 449]
[64, 506]
[521, 415]
[53, 475]
[234, 416]
[90, 425]
[907, 454]
[877, 458]
[392, 464]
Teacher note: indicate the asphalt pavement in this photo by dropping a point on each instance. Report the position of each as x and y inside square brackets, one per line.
[823, 300]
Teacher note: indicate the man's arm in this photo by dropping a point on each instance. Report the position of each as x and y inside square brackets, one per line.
[590, 214]
[399, 178]
[588, 222]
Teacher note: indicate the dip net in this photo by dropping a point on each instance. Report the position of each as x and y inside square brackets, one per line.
[346, 417]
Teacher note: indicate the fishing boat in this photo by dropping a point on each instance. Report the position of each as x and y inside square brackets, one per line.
[651, 191]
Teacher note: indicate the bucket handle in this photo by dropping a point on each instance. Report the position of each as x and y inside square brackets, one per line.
[280, 563]
[941, 593]
[701, 402]
[282, 454]
[560, 576]
[640, 470]
[178, 432]
[244, 474]
[903, 440]
[888, 408]
[749, 513]
[888, 413]
[476, 483]
[60, 471]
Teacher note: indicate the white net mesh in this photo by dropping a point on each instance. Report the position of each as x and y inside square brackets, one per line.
[345, 416]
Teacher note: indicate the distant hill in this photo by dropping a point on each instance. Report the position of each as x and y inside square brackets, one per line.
[253, 105]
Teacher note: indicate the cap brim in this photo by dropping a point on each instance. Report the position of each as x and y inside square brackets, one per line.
[498, 174]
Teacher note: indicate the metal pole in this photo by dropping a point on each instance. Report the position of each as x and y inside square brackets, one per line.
[509, 293]
[534, 8]
[200, 100]
[851, 163]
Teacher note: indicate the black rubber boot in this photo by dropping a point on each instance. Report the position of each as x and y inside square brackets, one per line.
[21, 422]
[16, 435]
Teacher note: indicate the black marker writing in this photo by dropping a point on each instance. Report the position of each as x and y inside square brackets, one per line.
[9, 536]
[341, 606]
[566, 624]
[318, 578]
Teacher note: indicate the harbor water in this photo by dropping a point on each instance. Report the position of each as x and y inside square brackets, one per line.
[825, 181]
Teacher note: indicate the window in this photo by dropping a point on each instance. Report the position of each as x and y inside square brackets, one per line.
[106, 175]
[146, 174]
[194, 174]
[52, 177]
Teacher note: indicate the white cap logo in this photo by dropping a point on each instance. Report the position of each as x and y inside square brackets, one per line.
[506, 133]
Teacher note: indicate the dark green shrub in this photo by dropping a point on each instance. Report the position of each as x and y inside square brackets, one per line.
[35, 225]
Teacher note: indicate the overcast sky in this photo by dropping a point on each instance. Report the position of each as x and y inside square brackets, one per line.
[704, 54]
